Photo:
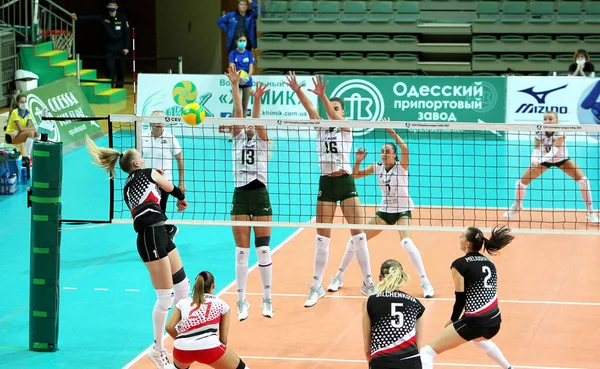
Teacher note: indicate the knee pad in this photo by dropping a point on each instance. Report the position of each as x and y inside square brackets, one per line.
[584, 183]
[164, 300]
[242, 365]
[179, 276]
[407, 243]
[520, 184]
[262, 241]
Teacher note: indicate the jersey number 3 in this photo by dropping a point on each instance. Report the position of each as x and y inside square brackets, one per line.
[248, 156]
[331, 147]
[397, 316]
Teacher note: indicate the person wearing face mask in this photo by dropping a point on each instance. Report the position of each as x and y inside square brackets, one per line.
[243, 59]
[20, 129]
[241, 21]
[582, 66]
[117, 38]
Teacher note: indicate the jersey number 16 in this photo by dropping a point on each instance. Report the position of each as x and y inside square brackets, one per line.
[331, 147]
[397, 315]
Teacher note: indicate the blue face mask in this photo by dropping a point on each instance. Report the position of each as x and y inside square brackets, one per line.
[112, 10]
[242, 44]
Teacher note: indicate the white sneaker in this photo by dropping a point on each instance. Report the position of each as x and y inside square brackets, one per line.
[160, 358]
[267, 308]
[314, 295]
[512, 211]
[427, 289]
[592, 217]
[336, 283]
[243, 307]
[368, 290]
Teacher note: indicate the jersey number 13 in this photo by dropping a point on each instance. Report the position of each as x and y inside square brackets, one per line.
[248, 156]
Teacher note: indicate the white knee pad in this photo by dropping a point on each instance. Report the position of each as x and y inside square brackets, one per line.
[164, 300]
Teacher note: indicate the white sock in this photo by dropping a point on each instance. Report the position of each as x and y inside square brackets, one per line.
[265, 266]
[347, 259]
[586, 193]
[321, 256]
[427, 356]
[362, 255]
[182, 290]
[162, 306]
[241, 271]
[28, 147]
[414, 256]
[493, 352]
[520, 190]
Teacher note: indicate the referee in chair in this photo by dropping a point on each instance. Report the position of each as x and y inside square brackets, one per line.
[159, 147]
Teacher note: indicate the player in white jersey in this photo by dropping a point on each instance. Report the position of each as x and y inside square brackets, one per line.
[159, 147]
[550, 151]
[395, 208]
[334, 146]
[250, 199]
[200, 327]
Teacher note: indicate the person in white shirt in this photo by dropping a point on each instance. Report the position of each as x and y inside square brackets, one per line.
[550, 151]
[200, 327]
[396, 206]
[159, 147]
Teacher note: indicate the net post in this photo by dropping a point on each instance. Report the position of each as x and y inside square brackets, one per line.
[46, 212]
[111, 195]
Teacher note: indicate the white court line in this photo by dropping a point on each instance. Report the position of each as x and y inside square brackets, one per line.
[364, 362]
[222, 291]
[130, 290]
[100, 289]
[70, 288]
[574, 303]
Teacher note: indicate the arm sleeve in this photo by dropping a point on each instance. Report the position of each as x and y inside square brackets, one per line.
[251, 57]
[459, 305]
[231, 58]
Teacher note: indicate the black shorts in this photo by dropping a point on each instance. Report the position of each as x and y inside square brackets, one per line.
[8, 138]
[470, 330]
[414, 363]
[557, 164]
[154, 243]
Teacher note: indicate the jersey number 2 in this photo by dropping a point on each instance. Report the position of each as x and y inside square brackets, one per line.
[488, 275]
[399, 321]
[331, 147]
[248, 156]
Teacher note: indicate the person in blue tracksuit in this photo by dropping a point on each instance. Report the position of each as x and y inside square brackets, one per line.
[241, 21]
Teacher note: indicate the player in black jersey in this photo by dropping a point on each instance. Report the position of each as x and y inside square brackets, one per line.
[476, 283]
[142, 195]
[392, 322]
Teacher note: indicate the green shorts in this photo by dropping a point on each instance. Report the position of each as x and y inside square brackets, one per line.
[557, 164]
[393, 218]
[334, 189]
[251, 202]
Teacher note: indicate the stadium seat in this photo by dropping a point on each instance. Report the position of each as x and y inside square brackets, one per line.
[592, 12]
[569, 12]
[327, 55]
[378, 56]
[381, 12]
[350, 73]
[301, 11]
[298, 55]
[542, 12]
[324, 37]
[487, 12]
[354, 12]
[408, 12]
[378, 73]
[327, 11]
[514, 12]
[378, 38]
[275, 11]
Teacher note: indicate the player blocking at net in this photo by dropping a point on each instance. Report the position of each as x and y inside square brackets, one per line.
[336, 183]
[396, 206]
[549, 151]
[142, 194]
[250, 201]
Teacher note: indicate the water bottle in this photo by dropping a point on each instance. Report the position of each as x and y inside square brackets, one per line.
[24, 175]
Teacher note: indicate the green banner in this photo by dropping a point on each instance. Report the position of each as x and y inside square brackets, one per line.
[64, 98]
[421, 99]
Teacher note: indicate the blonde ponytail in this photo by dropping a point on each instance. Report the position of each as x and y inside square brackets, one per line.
[103, 157]
[394, 277]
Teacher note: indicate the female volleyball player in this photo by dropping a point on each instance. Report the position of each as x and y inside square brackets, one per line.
[336, 184]
[550, 151]
[194, 324]
[142, 195]
[250, 198]
[475, 283]
[395, 208]
[392, 322]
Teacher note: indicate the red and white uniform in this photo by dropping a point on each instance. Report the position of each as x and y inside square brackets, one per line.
[198, 327]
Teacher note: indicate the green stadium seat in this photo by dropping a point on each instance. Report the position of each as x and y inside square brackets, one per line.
[514, 12]
[484, 57]
[591, 38]
[408, 12]
[303, 73]
[542, 12]
[297, 37]
[378, 38]
[272, 72]
[324, 37]
[378, 56]
[301, 11]
[327, 11]
[404, 73]
[487, 12]
[275, 11]
[595, 57]
[592, 12]
[484, 74]
[298, 55]
[540, 57]
[405, 57]
[271, 37]
[350, 73]
[540, 38]
[569, 12]
[378, 73]
[381, 12]
[484, 38]
[564, 57]
[351, 56]
[351, 37]
[405, 38]
[325, 73]
[272, 55]
[321, 55]
[512, 57]
[568, 39]
[512, 38]
[354, 12]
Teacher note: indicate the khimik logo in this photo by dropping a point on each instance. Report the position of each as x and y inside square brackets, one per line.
[362, 100]
[540, 96]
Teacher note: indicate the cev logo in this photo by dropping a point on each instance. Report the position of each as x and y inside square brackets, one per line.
[362, 101]
[37, 107]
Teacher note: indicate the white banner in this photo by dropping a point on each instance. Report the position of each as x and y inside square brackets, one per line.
[575, 99]
[171, 92]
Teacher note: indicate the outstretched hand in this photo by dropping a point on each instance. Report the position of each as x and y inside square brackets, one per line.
[292, 82]
[260, 90]
[231, 73]
[320, 86]
[182, 205]
[361, 154]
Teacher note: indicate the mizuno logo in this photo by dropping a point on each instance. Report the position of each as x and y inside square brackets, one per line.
[540, 96]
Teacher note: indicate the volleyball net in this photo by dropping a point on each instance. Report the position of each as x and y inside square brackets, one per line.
[459, 174]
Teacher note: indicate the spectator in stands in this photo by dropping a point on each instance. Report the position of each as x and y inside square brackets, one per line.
[243, 59]
[241, 21]
[20, 128]
[582, 66]
[117, 39]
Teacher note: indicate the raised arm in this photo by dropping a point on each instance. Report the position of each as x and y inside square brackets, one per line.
[319, 90]
[260, 90]
[402, 145]
[234, 78]
[361, 154]
[297, 88]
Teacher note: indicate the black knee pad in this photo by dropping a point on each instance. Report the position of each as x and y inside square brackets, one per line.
[179, 276]
[262, 241]
[187, 367]
[241, 365]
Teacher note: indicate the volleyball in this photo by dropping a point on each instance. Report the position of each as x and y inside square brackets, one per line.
[243, 77]
[193, 114]
[184, 92]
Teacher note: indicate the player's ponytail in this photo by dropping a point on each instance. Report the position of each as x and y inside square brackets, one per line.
[392, 275]
[203, 284]
[108, 158]
[499, 239]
